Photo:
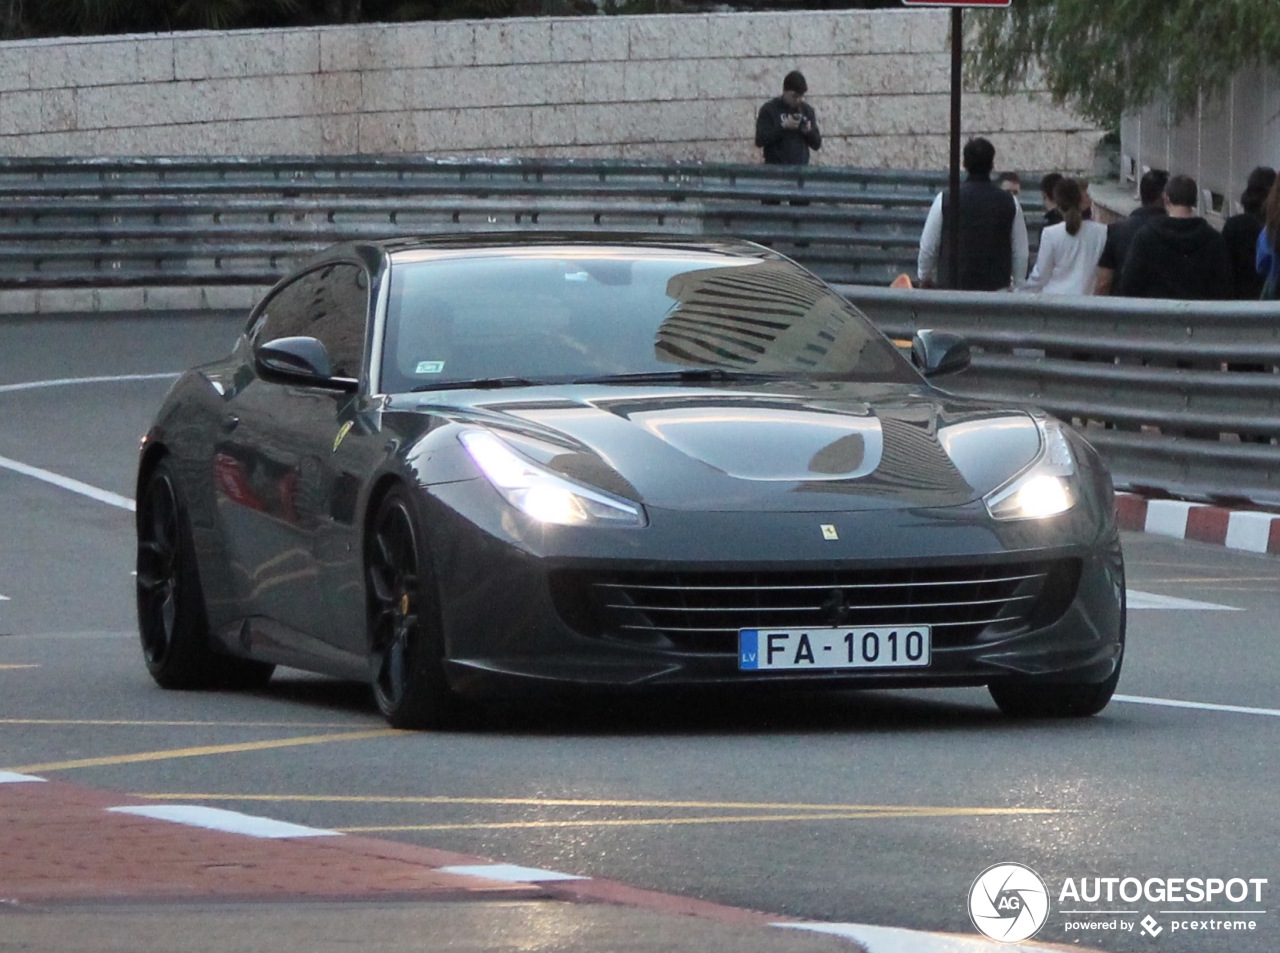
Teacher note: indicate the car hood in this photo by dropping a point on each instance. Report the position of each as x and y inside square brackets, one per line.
[818, 447]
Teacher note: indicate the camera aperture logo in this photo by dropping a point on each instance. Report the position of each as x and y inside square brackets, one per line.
[1008, 902]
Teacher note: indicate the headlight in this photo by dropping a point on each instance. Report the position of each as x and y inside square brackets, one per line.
[1046, 488]
[541, 494]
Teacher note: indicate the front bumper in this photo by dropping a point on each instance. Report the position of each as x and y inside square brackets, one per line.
[507, 632]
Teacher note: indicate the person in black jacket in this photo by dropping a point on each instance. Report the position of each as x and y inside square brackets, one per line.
[1120, 234]
[1180, 255]
[787, 126]
[1240, 232]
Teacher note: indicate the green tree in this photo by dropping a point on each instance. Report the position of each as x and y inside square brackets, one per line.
[1108, 56]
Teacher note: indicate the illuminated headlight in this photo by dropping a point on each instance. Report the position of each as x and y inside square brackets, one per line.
[541, 494]
[1046, 488]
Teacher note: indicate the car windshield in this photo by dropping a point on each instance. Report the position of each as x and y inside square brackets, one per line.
[554, 314]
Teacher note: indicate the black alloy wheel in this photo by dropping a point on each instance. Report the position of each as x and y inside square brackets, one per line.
[171, 614]
[406, 649]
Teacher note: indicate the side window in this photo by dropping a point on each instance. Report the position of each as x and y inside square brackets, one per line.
[331, 304]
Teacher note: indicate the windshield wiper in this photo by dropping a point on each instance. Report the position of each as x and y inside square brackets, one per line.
[479, 383]
[692, 375]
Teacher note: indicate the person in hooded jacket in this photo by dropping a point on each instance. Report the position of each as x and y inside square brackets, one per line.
[1180, 255]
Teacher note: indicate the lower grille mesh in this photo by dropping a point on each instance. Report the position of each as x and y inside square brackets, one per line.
[702, 612]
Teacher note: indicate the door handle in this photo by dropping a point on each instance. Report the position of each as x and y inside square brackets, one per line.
[230, 422]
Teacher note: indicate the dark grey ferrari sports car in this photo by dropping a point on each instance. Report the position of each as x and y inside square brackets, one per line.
[480, 466]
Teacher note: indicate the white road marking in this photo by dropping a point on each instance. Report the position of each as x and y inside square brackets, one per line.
[510, 873]
[65, 381]
[4, 598]
[217, 819]
[1200, 706]
[1150, 600]
[8, 777]
[66, 483]
[876, 939]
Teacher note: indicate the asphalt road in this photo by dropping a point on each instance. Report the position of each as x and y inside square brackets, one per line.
[869, 807]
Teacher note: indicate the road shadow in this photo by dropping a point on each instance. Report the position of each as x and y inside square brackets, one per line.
[738, 711]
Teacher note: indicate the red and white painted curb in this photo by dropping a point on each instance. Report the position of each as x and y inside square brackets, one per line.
[290, 844]
[1247, 530]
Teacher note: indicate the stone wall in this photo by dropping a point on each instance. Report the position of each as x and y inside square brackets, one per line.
[679, 86]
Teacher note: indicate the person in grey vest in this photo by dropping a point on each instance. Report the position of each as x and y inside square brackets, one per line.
[993, 233]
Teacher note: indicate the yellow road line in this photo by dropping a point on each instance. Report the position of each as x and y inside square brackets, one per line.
[585, 802]
[199, 752]
[9, 668]
[723, 819]
[129, 723]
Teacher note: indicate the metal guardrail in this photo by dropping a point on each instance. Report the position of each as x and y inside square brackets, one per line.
[1181, 398]
[149, 221]
[1146, 380]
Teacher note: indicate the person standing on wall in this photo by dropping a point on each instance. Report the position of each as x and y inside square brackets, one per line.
[993, 232]
[787, 126]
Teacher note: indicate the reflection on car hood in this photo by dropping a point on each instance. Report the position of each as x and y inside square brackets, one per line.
[830, 446]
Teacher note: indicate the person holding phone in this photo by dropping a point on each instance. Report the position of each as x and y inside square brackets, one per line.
[787, 126]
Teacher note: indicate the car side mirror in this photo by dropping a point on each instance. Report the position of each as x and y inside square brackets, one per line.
[935, 353]
[304, 359]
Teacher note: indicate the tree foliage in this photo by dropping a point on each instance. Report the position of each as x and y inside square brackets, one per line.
[1108, 56]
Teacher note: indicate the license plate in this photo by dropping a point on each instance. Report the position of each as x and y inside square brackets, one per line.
[803, 649]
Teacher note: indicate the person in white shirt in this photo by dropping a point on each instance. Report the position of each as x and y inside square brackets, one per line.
[1067, 263]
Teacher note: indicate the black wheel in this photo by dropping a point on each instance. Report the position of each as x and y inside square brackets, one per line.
[171, 616]
[1032, 698]
[1025, 698]
[406, 649]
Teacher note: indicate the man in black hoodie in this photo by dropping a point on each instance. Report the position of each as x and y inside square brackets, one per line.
[1179, 255]
[787, 126]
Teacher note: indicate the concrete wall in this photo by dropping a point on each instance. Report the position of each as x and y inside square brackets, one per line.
[1219, 143]
[682, 86]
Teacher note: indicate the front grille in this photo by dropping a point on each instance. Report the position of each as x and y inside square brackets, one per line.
[702, 612]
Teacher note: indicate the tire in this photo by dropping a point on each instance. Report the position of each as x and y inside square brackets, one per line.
[406, 645]
[1035, 698]
[1027, 698]
[172, 623]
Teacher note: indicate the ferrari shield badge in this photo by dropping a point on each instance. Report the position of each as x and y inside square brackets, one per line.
[829, 531]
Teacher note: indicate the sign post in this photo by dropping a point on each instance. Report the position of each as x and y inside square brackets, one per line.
[952, 236]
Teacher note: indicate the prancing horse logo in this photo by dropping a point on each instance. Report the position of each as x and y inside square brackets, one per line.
[829, 531]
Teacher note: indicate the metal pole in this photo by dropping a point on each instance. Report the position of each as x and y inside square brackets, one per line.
[953, 209]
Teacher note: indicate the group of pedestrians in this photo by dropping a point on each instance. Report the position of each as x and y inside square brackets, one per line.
[1164, 249]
